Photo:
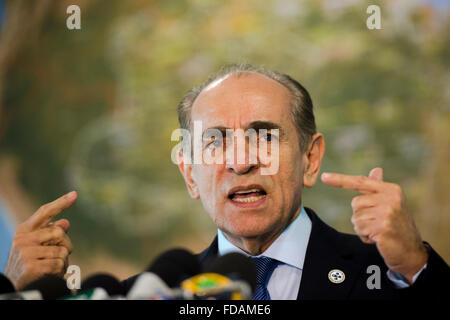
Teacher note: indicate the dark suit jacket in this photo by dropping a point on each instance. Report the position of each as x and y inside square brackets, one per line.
[329, 249]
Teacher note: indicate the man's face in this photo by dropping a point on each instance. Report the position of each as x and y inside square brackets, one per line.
[242, 202]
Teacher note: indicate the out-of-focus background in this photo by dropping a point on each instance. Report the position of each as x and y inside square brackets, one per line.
[93, 110]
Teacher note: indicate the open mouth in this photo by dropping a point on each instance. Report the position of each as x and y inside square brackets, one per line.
[247, 195]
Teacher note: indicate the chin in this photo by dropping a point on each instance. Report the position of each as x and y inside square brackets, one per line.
[249, 228]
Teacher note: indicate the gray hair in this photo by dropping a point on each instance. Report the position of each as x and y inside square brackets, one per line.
[302, 107]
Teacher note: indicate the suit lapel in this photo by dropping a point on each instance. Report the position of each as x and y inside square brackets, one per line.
[209, 254]
[322, 256]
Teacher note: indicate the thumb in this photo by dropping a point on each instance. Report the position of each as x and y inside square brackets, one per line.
[376, 174]
[62, 223]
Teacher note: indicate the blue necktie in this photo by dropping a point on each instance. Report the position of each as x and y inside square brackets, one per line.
[264, 268]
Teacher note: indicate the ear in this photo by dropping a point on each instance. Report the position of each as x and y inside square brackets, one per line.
[186, 171]
[312, 160]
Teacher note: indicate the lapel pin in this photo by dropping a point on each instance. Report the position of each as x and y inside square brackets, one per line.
[336, 276]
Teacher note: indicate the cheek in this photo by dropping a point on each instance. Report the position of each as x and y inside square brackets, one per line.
[290, 173]
[205, 177]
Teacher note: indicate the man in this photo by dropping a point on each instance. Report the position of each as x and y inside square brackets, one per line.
[261, 215]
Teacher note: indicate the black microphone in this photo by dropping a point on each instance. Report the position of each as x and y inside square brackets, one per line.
[174, 266]
[162, 278]
[5, 285]
[106, 281]
[235, 266]
[50, 286]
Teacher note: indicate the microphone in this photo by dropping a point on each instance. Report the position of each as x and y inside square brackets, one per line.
[50, 287]
[22, 295]
[175, 265]
[236, 266]
[229, 277]
[5, 285]
[148, 286]
[106, 281]
[100, 286]
[8, 292]
[164, 275]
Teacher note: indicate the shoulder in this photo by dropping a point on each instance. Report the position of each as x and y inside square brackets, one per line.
[209, 253]
[323, 235]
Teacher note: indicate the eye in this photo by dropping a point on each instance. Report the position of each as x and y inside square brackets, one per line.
[216, 143]
[268, 137]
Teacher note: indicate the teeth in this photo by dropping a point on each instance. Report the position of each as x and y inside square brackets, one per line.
[249, 199]
[247, 191]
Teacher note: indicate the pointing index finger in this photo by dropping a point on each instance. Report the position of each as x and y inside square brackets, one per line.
[359, 183]
[48, 211]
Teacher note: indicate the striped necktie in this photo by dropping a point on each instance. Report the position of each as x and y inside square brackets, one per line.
[264, 268]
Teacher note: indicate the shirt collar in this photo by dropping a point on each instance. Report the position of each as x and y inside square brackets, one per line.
[289, 247]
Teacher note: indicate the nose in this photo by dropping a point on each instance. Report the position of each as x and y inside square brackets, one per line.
[241, 169]
[242, 157]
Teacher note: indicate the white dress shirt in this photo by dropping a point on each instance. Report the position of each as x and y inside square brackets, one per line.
[290, 249]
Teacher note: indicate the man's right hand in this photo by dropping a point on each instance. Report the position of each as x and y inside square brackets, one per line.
[40, 247]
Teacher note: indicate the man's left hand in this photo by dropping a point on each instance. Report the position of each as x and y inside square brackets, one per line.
[380, 216]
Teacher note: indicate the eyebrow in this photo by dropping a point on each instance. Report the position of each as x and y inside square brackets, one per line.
[256, 125]
[268, 125]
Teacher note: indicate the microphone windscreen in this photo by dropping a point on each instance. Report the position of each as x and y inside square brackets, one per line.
[174, 266]
[50, 286]
[103, 280]
[236, 266]
[5, 285]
